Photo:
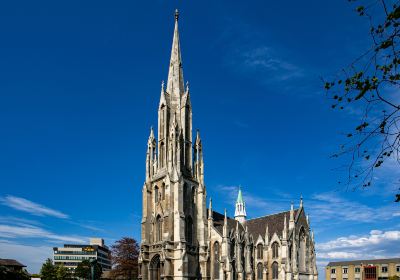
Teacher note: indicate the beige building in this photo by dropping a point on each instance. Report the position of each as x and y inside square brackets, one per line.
[181, 238]
[380, 269]
[72, 254]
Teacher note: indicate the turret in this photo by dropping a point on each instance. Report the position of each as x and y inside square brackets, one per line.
[240, 208]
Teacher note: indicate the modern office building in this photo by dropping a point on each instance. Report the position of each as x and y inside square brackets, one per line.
[72, 254]
[380, 269]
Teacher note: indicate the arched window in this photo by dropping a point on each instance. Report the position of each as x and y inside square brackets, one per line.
[259, 271]
[232, 248]
[163, 191]
[216, 260]
[162, 152]
[302, 250]
[193, 196]
[158, 232]
[189, 230]
[275, 250]
[259, 251]
[275, 272]
[156, 194]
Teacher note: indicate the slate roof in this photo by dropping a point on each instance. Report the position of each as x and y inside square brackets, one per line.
[365, 262]
[10, 262]
[256, 226]
[218, 222]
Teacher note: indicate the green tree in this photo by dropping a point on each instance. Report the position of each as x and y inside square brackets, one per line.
[371, 85]
[83, 270]
[62, 272]
[7, 274]
[124, 256]
[48, 270]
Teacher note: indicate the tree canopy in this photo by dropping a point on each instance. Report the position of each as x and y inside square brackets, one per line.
[125, 255]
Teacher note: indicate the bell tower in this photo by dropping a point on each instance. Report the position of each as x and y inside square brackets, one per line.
[174, 222]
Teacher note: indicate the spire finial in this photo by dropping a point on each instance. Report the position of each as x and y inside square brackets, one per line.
[176, 14]
[301, 201]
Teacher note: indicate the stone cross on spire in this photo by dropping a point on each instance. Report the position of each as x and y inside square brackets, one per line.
[175, 83]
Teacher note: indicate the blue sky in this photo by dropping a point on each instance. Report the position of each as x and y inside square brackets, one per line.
[79, 89]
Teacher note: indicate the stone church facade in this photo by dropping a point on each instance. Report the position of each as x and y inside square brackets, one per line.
[181, 237]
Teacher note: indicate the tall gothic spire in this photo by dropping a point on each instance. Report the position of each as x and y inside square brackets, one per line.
[175, 83]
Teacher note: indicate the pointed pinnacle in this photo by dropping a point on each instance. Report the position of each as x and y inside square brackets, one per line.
[176, 14]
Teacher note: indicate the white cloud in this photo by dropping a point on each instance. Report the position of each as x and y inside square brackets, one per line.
[375, 237]
[29, 255]
[376, 244]
[30, 231]
[31, 207]
[264, 59]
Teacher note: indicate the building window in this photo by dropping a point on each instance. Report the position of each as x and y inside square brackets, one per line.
[370, 272]
[158, 228]
[259, 271]
[356, 278]
[216, 260]
[333, 278]
[357, 270]
[259, 251]
[275, 270]
[189, 230]
[156, 194]
[345, 270]
[345, 278]
[398, 268]
[193, 196]
[275, 250]
[384, 269]
[302, 250]
[333, 271]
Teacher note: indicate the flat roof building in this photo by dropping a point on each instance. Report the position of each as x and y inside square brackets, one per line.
[72, 254]
[379, 269]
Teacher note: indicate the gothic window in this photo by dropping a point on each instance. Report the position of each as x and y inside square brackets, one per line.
[158, 228]
[216, 260]
[259, 271]
[156, 194]
[302, 250]
[275, 272]
[232, 248]
[275, 250]
[189, 230]
[259, 251]
[162, 152]
[163, 191]
[193, 196]
[185, 191]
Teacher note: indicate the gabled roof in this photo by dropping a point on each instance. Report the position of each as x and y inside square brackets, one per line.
[257, 226]
[11, 262]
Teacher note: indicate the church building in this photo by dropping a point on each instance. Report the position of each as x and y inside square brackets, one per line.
[181, 237]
